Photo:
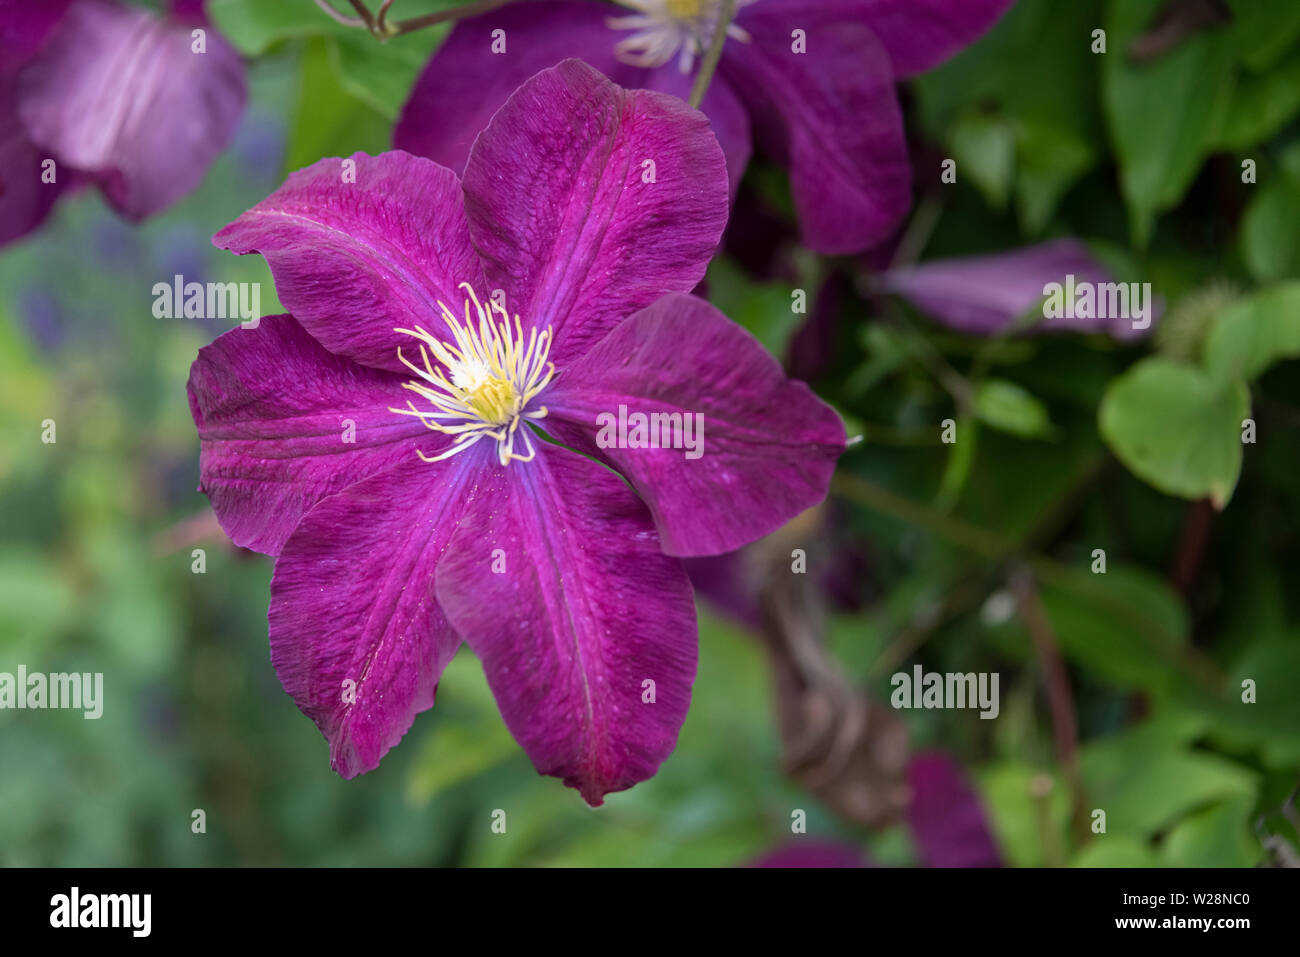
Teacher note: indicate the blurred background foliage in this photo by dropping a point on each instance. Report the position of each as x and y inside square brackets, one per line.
[1069, 444]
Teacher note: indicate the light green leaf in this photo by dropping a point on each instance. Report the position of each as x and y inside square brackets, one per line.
[1177, 428]
[1144, 788]
[985, 150]
[1268, 230]
[1010, 408]
[1254, 333]
[1218, 836]
[382, 75]
[255, 25]
[330, 121]
[1115, 850]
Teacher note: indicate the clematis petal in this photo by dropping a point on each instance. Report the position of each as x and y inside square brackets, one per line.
[813, 852]
[768, 444]
[945, 815]
[831, 114]
[466, 82]
[571, 221]
[724, 108]
[921, 34]
[25, 200]
[585, 613]
[283, 423]
[983, 295]
[24, 28]
[121, 94]
[359, 251]
[357, 638]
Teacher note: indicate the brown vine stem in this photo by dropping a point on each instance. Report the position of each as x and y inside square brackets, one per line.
[997, 547]
[1060, 699]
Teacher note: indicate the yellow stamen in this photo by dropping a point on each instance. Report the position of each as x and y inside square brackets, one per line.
[483, 381]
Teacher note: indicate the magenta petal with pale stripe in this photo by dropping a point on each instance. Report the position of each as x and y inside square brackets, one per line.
[284, 423]
[769, 445]
[120, 93]
[361, 247]
[548, 565]
[569, 219]
[588, 635]
[357, 637]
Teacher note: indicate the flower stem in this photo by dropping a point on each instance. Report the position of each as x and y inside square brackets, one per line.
[710, 62]
[380, 27]
[339, 17]
[462, 12]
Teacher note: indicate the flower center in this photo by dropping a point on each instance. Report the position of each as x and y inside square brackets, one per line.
[483, 379]
[685, 9]
[663, 27]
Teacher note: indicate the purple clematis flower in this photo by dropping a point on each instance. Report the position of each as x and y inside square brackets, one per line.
[380, 440]
[811, 80]
[115, 95]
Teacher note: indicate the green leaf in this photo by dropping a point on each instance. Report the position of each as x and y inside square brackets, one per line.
[382, 75]
[253, 26]
[1268, 230]
[1254, 333]
[1261, 105]
[1267, 724]
[1177, 428]
[762, 308]
[1018, 818]
[1032, 76]
[1049, 160]
[1010, 408]
[1162, 116]
[1138, 650]
[1115, 850]
[985, 150]
[1263, 30]
[1144, 786]
[1218, 836]
[329, 121]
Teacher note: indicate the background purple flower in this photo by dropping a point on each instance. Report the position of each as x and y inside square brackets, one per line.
[114, 95]
[983, 295]
[946, 817]
[812, 81]
[418, 534]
